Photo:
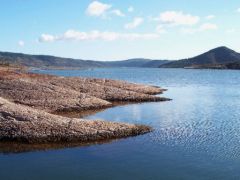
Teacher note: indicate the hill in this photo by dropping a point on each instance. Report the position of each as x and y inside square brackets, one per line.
[137, 62]
[218, 58]
[45, 61]
[213, 58]
[154, 63]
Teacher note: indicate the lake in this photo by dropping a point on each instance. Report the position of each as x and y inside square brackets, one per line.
[196, 135]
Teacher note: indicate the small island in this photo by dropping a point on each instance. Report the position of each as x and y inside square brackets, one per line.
[30, 105]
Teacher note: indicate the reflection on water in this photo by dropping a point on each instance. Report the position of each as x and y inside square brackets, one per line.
[81, 114]
[85, 113]
[11, 147]
[196, 136]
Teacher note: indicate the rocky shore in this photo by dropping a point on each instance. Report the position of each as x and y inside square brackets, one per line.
[25, 124]
[28, 103]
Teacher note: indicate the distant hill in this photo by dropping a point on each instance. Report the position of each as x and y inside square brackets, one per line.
[138, 62]
[218, 58]
[44, 61]
[213, 58]
[154, 63]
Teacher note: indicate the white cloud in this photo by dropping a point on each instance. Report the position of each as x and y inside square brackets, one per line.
[21, 43]
[202, 28]
[238, 10]
[188, 30]
[177, 18]
[73, 35]
[135, 23]
[97, 8]
[47, 38]
[208, 26]
[130, 9]
[117, 12]
[160, 29]
[230, 31]
[209, 17]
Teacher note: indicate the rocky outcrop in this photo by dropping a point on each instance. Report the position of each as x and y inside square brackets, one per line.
[107, 92]
[57, 94]
[151, 90]
[24, 124]
[45, 96]
[29, 104]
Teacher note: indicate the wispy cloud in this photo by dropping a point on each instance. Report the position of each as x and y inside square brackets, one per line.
[21, 43]
[208, 26]
[209, 17]
[202, 28]
[117, 12]
[230, 31]
[73, 35]
[135, 23]
[99, 9]
[160, 29]
[176, 18]
[47, 38]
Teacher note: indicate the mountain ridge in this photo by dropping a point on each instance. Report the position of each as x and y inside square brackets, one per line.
[218, 56]
[48, 61]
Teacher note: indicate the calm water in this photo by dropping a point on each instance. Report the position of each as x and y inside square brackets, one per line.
[197, 135]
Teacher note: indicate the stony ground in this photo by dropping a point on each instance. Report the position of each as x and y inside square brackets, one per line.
[27, 101]
[25, 124]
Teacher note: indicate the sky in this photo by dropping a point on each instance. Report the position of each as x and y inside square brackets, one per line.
[119, 29]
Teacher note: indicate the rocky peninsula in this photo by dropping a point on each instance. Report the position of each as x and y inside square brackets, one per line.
[29, 103]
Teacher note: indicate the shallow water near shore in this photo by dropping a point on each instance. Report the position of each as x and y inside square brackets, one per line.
[196, 136]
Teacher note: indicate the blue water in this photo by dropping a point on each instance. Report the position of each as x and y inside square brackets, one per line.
[197, 135]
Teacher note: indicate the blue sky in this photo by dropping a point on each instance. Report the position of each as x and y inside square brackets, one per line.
[119, 29]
